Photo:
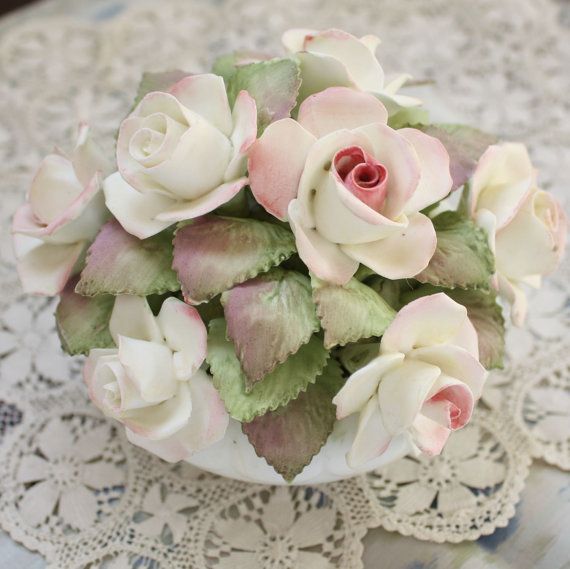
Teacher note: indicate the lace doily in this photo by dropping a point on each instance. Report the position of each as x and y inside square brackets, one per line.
[74, 489]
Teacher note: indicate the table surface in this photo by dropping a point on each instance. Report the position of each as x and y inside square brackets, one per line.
[536, 537]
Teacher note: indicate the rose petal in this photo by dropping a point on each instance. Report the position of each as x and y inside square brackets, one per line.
[163, 420]
[206, 426]
[430, 321]
[209, 419]
[54, 188]
[276, 162]
[132, 317]
[203, 205]
[516, 297]
[244, 133]
[435, 178]
[294, 38]
[341, 217]
[456, 362]
[402, 162]
[371, 438]
[197, 165]
[358, 59]
[450, 403]
[361, 386]
[149, 368]
[88, 158]
[403, 254]
[319, 72]
[46, 269]
[185, 333]
[318, 164]
[205, 95]
[540, 224]
[135, 211]
[325, 259]
[502, 180]
[338, 108]
[170, 449]
[402, 392]
[94, 380]
[429, 436]
[80, 220]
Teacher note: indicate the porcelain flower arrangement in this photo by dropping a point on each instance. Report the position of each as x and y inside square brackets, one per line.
[283, 246]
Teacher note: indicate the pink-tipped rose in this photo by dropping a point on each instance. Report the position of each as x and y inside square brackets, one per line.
[153, 383]
[334, 58]
[351, 186]
[526, 226]
[180, 155]
[64, 211]
[424, 383]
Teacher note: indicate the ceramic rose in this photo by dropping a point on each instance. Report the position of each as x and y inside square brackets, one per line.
[423, 383]
[152, 382]
[64, 211]
[180, 154]
[351, 186]
[526, 226]
[333, 58]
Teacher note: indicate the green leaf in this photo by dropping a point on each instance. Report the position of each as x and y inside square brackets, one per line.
[350, 312]
[355, 356]
[485, 314]
[274, 85]
[282, 385]
[119, 263]
[83, 323]
[212, 254]
[465, 146]
[226, 65]
[462, 257]
[289, 437]
[269, 318]
[161, 81]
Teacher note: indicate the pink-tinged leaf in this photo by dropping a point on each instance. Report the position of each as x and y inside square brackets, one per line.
[279, 387]
[273, 84]
[83, 323]
[212, 254]
[369, 313]
[289, 437]
[462, 257]
[465, 146]
[119, 263]
[269, 318]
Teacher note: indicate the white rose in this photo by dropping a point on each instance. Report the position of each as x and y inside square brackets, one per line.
[423, 384]
[63, 212]
[152, 383]
[181, 154]
[336, 58]
[526, 226]
[351, 187]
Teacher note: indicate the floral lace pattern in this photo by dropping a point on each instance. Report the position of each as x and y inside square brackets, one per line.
[83, 497]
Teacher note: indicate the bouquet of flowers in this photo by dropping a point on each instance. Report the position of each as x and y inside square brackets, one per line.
[288, 245]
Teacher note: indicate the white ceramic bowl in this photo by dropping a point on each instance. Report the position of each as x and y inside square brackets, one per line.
[234, 457]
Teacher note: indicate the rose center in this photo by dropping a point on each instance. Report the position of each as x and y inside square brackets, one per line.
[362, 175]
